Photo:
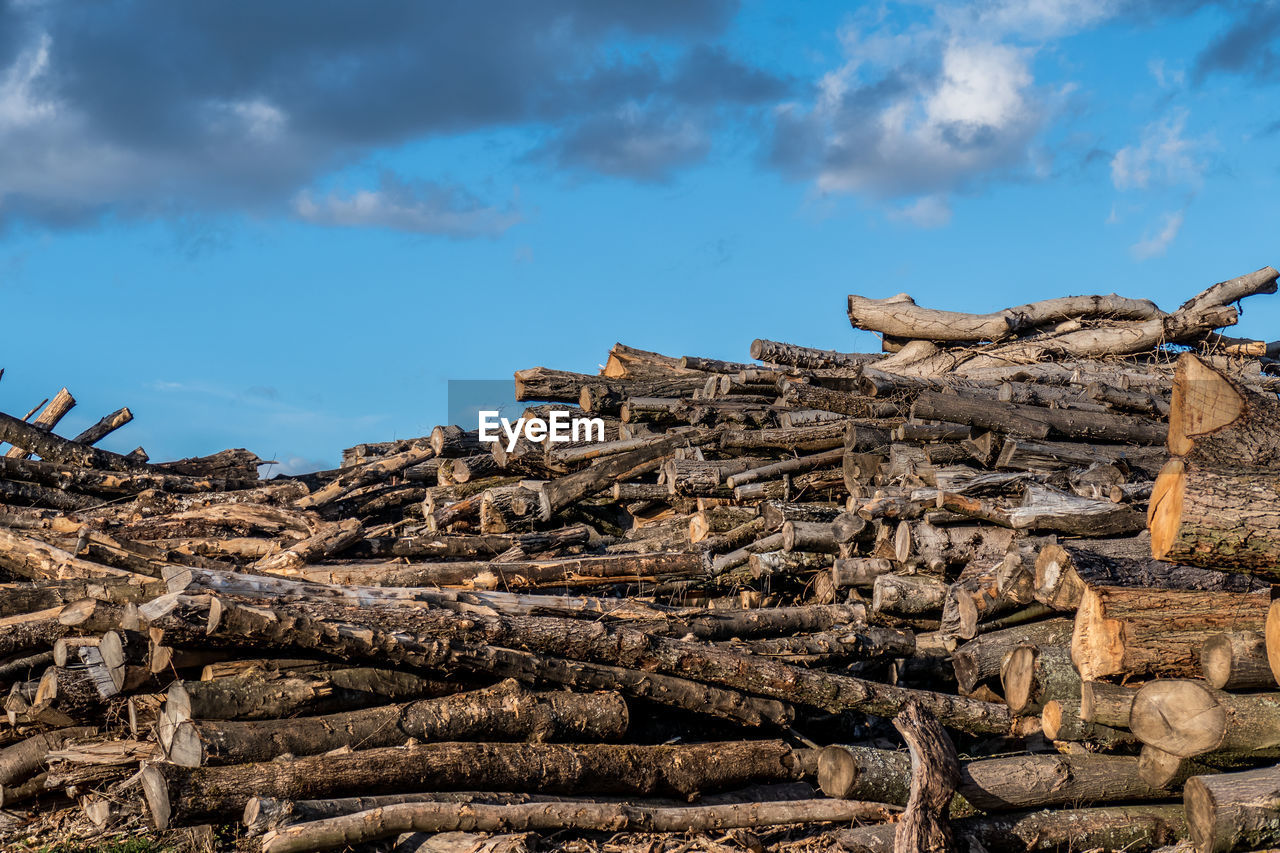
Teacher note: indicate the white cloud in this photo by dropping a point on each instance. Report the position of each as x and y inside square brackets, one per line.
[931, 211]
[418, 207]
[1153, 244]
[1163, 156]
[20, 105]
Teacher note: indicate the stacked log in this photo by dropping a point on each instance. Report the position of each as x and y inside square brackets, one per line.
[1026, 545]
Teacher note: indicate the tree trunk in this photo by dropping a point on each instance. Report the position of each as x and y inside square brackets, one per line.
[501, 713]
[1237, 660]
[1217, 515]
[1061, 720]
[1234, 811]
[185, 795]
[981, 658]
[1137, 631]
[1216, 419]
[1189, 718]
[1106, 704]
[556, 817]
[1031, 676]
[935, 773]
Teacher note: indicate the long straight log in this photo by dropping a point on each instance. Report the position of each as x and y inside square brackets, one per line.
[554, 817]
[501, 713]
[54, 448]
[184, 795]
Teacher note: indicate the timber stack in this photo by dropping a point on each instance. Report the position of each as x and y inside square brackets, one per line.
[1040, 539]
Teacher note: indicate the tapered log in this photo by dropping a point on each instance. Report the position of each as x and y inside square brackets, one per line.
[556, 817]
[980, 658]
[1189, 718]
[1061, 720]
[103, 428]
[557, 494]
[1237, 660]
[1136, 827]
[668, 690]
[807, 439]
[506, 712]
[864, 643]
[1031, 676]
[28, 557]
[899, 316]
[1026, 455]
[1234, 811]
[1217, 515]
[184, 795]
[1138, 631]
[1218, 420]
[797, 465]
[1107, 704]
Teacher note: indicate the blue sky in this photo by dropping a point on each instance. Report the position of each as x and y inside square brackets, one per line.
[285, 227]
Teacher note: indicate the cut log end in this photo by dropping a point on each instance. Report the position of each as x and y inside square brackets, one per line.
[1201, 809]
[1203, 402]
[156, 790]
[1017, 675]
[1179, 716]
[837, 772]
[1164, 515]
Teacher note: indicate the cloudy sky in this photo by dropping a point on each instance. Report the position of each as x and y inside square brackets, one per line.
[285, 226]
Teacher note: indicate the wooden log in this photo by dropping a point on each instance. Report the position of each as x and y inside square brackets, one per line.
[1237, 660]
[506, 712]
[908, 595]
[1139, 631]
[859, 571]
[1106, 704]
[531, 574]
[807, 358]
[1218, 420]
[1217, 515]
[1134, 827]
[103, 428]
[558, 817]
[48, 418]
[25, 758]
[1061, 720]
[1161, 769]
[980, 658]
[1065, 570]
[1234, 811]
[935, 774]
[899, 316]
[184, 795]
[1031, 676]
[1189, 718]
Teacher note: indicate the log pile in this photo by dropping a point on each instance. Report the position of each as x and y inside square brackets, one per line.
[1002, 587]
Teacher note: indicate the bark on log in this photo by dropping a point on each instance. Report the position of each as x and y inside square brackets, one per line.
[1137, 827]
[1217, 516]
[1061, 720]
[1237, 660]
[980, 658]
[388, 820]
[185, 795]
[1234, 811]
[48, 418]
[1139, 631]
[899, 316]
[1106, 704]
[506, 712]
[103, 428]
